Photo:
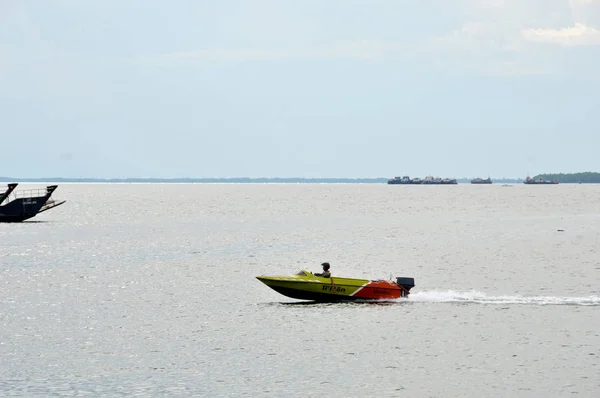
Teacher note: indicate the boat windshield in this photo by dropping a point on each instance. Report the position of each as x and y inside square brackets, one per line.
[301, 272]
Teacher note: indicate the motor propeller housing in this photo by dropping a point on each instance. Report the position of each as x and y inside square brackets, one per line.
[407, 283]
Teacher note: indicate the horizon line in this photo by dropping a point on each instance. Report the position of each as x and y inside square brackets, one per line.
[215, 179]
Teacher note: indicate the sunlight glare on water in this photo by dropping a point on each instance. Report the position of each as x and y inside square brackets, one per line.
[150, 289]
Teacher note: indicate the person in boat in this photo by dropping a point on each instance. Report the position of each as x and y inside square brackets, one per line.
[325, 273]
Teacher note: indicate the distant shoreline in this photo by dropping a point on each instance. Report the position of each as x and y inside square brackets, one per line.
[574, 178]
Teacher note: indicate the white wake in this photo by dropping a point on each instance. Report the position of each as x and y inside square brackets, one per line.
[476, 297]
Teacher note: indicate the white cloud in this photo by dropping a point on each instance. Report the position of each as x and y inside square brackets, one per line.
[577, 35]
[500, 38]
[494, 35]
[486, 49]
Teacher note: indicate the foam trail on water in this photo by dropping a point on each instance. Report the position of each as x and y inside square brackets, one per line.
[451, 296]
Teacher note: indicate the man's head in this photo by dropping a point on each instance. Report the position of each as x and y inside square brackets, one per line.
[325, 266]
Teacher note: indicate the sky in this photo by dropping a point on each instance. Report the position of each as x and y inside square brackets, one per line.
[288, 88]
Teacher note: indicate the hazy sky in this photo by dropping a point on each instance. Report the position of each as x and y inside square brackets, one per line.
[299, 88]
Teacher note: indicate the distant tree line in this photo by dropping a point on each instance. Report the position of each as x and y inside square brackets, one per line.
[586, 177]
[288, 180]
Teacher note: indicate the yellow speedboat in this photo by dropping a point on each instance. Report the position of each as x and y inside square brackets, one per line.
[304, 285]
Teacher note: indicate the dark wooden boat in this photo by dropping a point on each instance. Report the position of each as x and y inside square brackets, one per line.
[17, 206]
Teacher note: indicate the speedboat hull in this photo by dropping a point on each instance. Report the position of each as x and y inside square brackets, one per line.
[306, 286]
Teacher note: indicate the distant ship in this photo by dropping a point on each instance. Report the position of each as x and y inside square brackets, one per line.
[429, 180]
[538, 181]
[481, 181]
[404, 180]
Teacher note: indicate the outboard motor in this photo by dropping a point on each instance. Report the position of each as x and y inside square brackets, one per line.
[406, 283]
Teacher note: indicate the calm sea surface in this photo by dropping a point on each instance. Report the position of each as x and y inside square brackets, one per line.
[150, 290]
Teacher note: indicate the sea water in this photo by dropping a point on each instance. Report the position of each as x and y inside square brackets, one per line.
[150, 290]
